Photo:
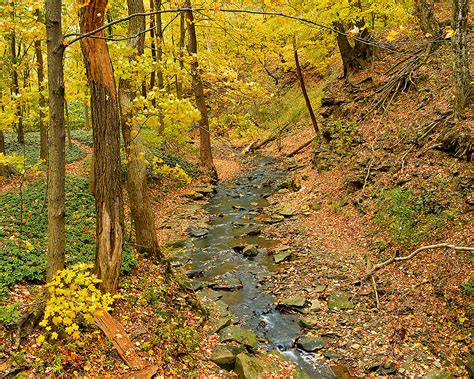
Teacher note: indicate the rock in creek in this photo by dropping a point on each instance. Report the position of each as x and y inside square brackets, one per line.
[310, 344]
[295, 302]
[340, 300]
[250, 251]
[227, 283]
[198, 233]
[240, 335]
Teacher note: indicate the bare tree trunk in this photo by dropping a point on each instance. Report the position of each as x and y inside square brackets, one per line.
[204, 132]
[159, 59]
[16, 88]
[182, 36]
[303, 88]
[106, 135]
[461, 69]
[42, 101]
[137, 187]
[424, 11]
[56, 161]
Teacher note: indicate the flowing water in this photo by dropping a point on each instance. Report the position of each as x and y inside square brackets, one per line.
[234, 211]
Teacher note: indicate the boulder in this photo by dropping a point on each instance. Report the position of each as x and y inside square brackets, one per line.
[224, 356]
[251, 367]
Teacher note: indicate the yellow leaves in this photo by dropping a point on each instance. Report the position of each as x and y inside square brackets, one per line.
[449, 33]
[392, 35]
[72, 293]
[57, 320]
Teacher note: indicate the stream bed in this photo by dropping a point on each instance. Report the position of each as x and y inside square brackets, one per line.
[231, 257]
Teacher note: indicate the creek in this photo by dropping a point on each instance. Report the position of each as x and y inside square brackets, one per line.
[236, 217]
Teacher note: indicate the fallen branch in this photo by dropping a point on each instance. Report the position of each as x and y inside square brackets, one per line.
[379, 266]
[298, 149]
[121, 341]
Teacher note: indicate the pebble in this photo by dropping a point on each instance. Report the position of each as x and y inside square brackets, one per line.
[355, 346]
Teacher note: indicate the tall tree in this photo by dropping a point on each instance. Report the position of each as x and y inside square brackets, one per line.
[106, 136]
[461, 69]
[137, 187]
[42, 101]
[16, 86]
[56, 161]
[198, 89]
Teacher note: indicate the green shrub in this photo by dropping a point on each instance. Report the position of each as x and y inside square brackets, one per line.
[410, 217]
[10, 314]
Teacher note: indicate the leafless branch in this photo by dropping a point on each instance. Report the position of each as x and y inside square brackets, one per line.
[381, 265]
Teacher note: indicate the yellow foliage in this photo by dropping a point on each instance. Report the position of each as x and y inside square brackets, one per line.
[73, 293]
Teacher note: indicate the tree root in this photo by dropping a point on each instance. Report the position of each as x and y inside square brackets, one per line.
[381, 265]
[402, 78]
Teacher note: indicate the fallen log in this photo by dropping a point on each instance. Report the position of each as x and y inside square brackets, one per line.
[298, 149]
[124, 346]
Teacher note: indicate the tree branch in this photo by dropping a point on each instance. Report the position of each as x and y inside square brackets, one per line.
[379, 266]
[245, 11]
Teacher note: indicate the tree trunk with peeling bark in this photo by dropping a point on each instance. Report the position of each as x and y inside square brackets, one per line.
[138, 194]
[106, 136]
[198, 89]
[56, 160]
[461, 69]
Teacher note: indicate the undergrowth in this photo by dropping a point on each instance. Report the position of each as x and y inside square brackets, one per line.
[410, 218]
[24, 242]
[31, 148]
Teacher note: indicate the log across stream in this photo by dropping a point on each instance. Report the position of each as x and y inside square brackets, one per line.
[237, 277]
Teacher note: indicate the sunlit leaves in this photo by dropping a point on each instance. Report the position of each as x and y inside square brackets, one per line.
[73, 294]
